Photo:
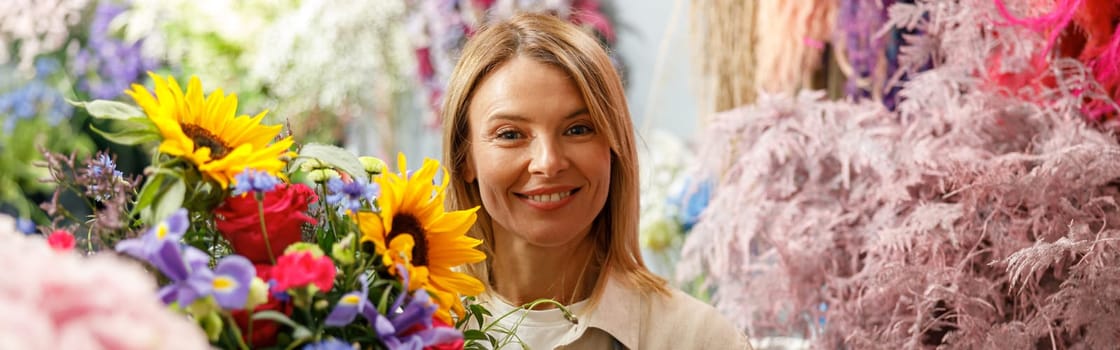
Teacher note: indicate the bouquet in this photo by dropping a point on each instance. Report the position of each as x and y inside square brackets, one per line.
[265, 243]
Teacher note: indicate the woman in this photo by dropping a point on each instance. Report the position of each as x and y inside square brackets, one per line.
[537, 132]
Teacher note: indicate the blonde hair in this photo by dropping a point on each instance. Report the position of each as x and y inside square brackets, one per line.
[552, 41]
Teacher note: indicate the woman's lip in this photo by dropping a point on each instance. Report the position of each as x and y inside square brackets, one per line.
[548, 190]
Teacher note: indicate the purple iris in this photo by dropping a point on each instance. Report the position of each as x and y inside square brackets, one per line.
[252, 180]
[396, 330]
[231, 282]
[418, 311]
[191, 277]
[352, 304]
[349, 196]
[188, 268]
[145, 247]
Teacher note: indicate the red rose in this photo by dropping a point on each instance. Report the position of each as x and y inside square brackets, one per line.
[264, 331]
[299, 269]
[61, 240]
[284, 212]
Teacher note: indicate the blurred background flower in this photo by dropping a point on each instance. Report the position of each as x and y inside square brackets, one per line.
[63, 300]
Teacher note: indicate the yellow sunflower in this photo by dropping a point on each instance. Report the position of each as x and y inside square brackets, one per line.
[413, 219]
[206, 130]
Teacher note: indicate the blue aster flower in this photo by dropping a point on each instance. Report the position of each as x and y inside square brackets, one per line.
[350, 196]
[252, 180]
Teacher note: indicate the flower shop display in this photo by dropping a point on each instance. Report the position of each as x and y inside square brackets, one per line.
[51, 51]
[257, 240]
[437, 30]
[979, 212]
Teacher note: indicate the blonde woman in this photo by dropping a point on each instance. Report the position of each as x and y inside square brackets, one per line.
[537, 133]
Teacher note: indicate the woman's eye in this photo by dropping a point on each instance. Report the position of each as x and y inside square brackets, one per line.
[509, 135]
[580, 130]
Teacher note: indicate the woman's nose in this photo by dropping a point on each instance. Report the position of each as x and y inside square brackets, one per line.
[548, 157]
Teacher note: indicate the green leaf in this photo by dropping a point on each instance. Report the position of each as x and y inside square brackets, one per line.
[474, 334]
[383, 304]
[300, 331]
[170, 201]
[478, 312]
[147, 193]
[128, 136]
[105, 109]
[337, 157]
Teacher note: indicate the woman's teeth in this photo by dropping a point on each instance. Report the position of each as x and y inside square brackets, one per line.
[553, 197]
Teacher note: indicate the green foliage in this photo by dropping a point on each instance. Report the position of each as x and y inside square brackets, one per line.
[21, 180]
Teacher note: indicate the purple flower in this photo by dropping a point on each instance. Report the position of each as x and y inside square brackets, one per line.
[252, 180]
[103, 164]
[397, 330]
[102, 176]
[145, 247]
[106, 66]
[349, 196]
[398, 333]
[187, 269]
[329, 344]
[191, 278]
[231, 281]
[351, 304]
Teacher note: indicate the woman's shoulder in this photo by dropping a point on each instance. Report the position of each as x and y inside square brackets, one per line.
[679, 318]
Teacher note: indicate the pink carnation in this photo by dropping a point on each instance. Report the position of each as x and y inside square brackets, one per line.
[61, 300]
[61, 240]
[299, 269]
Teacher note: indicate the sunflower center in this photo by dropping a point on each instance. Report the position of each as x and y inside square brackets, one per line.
[406, 223]
[204, 138]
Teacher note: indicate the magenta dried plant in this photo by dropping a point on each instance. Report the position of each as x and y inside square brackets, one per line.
[967, 218]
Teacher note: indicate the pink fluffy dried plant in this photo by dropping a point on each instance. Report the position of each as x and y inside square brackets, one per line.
[967, 218]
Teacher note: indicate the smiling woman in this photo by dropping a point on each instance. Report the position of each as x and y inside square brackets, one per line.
[537, 133]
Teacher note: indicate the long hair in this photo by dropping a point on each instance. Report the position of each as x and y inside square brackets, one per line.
[554, 42]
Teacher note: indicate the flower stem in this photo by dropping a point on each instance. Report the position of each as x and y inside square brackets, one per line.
[251, 312]
[264, 230]
[237, 331]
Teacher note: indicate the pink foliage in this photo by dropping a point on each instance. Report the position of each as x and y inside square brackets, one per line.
[60, 300]
[967, 218]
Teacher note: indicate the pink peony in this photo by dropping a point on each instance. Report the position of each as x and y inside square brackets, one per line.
[60, 300]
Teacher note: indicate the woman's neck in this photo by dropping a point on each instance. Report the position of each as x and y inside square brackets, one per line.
[522, 273]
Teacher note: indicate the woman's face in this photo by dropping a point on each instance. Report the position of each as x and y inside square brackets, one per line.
[543, 170]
